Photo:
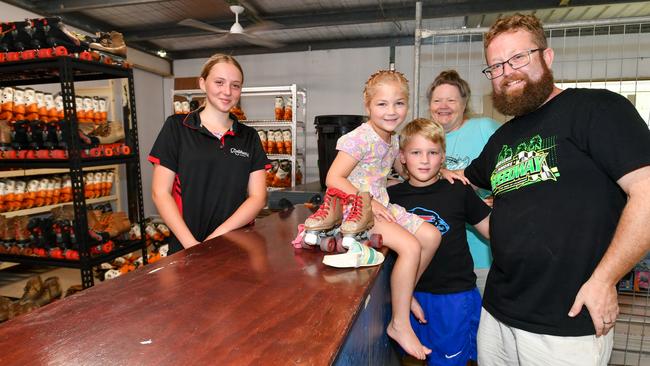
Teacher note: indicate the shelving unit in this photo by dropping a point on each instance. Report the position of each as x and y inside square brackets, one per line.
[67, 71]
[299, 98]
[25, 173]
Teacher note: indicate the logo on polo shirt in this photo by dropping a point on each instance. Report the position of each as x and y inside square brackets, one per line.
[238, 152]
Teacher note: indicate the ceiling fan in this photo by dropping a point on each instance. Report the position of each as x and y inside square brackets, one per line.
[237, 32]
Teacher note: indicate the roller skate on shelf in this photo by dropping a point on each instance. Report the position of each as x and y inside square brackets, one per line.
[358, 222]
[322, 227]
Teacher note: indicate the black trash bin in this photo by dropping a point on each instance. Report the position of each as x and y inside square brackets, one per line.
[329, 129]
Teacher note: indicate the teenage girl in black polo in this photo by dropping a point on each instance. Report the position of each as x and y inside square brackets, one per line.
[208, 176]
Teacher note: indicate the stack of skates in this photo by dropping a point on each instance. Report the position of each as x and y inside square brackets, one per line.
[276, 141]
[21, 194]
[279, 175]
[44, 38]
[37, 293]
[54, 236]
[156, 234]
[32, 126]
[342, 225]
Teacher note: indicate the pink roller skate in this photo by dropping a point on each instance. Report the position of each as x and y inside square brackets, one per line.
[322, 227]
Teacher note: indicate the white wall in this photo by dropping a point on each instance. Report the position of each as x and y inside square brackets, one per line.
[150, 92]
[334, 80]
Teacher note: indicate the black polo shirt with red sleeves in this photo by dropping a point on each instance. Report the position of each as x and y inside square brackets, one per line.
[211, 173]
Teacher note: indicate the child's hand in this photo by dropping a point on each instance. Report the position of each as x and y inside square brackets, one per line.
[381, 212]
[450, 175]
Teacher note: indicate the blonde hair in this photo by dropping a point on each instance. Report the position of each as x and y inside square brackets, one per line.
[382, 77]
[218, 58]
[451, 77]
[515, 22]
[429, 129]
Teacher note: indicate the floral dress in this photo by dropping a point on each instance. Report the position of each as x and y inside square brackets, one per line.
[375, 159]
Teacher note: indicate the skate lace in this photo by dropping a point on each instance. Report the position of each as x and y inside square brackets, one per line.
[356, 208]
[323, 209]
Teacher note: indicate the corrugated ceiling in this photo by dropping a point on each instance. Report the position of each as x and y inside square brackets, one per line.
[306, 24]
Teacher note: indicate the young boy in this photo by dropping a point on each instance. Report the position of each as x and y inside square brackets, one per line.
[446, 292]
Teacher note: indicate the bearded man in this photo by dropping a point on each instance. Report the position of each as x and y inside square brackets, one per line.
[570, 176]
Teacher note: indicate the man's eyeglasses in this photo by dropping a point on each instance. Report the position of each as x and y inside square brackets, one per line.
[516, 62]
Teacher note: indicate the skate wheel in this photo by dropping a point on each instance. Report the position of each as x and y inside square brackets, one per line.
[85, 55]
[39, 252]
[28, 251]
[10, 154]
[60, 51]
[3, 57]
[58, 154]
[347, 241]
[71, 254]
[28, 54]
[22, 154]
[108, 151]
[311, 238]
[125, 150]
[376, 241]
[56, 253]
[305, 245]
[42, 154]
[107, 247]
[95, 152]
[45, 53]
[13, 56]
[339, 244]
[328, 244]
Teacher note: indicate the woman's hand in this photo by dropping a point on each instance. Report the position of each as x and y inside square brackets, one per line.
[380, 212]
[450, 175]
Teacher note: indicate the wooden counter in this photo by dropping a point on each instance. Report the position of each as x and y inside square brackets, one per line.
[247, 298]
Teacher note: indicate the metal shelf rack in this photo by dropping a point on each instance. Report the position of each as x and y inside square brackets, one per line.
[298, 95]
[67, 71]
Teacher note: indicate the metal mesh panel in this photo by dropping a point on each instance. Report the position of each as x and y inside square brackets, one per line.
[591, 55]
[615, 57]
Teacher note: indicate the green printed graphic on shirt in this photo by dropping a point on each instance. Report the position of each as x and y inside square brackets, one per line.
[528, 162]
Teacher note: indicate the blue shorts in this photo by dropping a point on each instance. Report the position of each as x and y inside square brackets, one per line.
[452, 324]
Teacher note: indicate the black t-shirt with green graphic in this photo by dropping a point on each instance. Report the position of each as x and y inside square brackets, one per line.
[553, 173]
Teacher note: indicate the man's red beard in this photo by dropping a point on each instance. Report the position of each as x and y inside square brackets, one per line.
[527, 99]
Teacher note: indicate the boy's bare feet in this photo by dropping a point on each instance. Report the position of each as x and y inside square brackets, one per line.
[417, 311]
[404, 335]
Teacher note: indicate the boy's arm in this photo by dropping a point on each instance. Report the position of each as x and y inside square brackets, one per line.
[483, 227]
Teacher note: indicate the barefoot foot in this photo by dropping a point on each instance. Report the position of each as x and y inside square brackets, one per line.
[407, 339]
[417, 311]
